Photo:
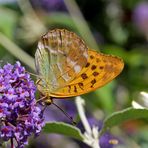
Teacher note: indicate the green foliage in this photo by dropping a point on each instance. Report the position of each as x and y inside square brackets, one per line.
[119, 117]
[8, 20]
[63, 128]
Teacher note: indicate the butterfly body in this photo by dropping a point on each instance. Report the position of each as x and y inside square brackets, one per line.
[67, 68]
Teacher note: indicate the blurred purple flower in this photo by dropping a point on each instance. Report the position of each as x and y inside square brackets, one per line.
[49, 5]
[54, 114]
[140, 17]
[19, 115]
[70, 107]
[104, 139]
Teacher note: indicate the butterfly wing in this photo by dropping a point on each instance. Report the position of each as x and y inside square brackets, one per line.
[60, 56]
[99, 70]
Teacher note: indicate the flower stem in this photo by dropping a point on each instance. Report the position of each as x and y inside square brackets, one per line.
[16, 51]
[80, 103]
[81, 23]
[12, 145]
[90, 135]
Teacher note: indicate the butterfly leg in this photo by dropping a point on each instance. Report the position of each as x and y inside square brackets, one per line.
[47, 100]
[38, 81]
[42, 99]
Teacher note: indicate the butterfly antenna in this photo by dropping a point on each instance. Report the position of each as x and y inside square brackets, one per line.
[69, 117]
[32, 74]
[42, 111]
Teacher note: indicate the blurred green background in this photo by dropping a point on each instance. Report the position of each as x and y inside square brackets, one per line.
[118, 27]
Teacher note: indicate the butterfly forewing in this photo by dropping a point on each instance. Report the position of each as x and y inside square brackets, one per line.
[60, 56]
[99, 70]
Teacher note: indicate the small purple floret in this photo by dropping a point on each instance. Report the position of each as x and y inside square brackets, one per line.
[20, 117]
[140, 17]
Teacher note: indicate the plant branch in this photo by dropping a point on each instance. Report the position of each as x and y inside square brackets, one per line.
[90, 135]
[80, 22]
[16, 51]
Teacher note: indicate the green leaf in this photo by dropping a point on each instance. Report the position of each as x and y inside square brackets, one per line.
[64, 129]
[102, 98]
[8, 20]
[60, 19]
[122, 116]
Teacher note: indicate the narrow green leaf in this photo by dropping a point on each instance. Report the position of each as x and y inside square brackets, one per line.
[8, 20]
[62, 19]
[64, 129]
[122, 116]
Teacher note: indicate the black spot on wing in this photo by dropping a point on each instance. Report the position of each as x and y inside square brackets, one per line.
[81, 85]
[87, 65]
[91, 57]
[95, 73]
[75, 89]
[69, 88]
[93, 82]
[101, 67]
[93, 67]
[84, 76]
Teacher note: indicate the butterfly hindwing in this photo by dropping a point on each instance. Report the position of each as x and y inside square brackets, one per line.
[99, 70]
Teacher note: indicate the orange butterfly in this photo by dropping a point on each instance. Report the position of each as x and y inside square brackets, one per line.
[67, 68]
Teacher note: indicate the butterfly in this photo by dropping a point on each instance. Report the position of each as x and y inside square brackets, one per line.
[66, 67]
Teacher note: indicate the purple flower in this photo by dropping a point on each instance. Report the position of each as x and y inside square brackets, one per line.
[140, 17]
[6, 132]
[105, 140]
[20, 117]
[49, 5]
